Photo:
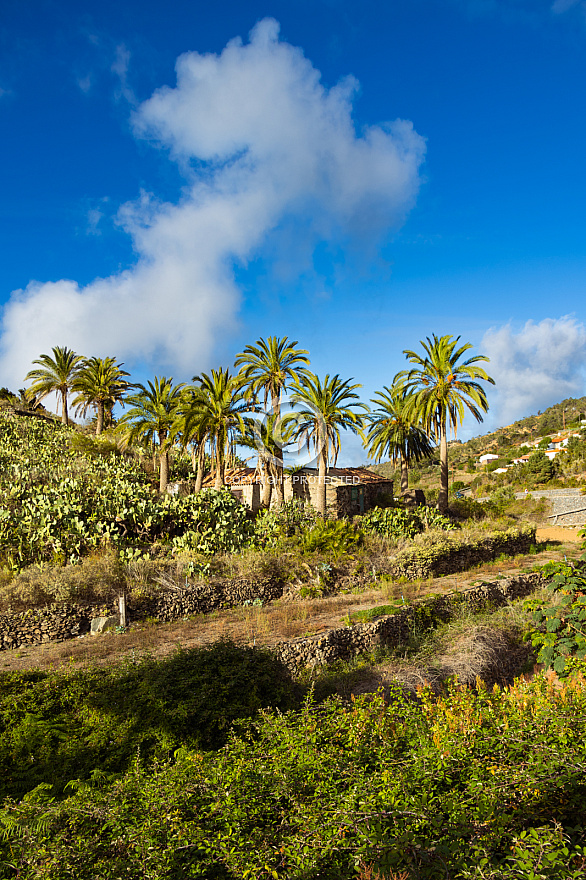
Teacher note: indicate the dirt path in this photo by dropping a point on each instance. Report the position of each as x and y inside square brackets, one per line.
[559, 533]
[278, 621]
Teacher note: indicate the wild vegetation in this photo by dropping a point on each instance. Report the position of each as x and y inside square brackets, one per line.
[218, 761]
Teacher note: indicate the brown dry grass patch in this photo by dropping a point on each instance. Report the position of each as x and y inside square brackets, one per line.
[288, 618]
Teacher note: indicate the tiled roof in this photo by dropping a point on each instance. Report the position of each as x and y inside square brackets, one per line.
[248, 476]
[235, 477]
[364, 474]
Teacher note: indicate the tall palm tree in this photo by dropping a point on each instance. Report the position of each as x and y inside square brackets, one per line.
[396, 431]
[442, 388]
[100, 383]
[259, 436]
[153, 417]
[265, 369]
[191, 426]
[323, 409]
[55, 374]
[223, 403]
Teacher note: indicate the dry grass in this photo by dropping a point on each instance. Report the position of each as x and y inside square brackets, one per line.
[288, 618]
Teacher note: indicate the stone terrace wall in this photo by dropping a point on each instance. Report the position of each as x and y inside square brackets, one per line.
[449, 554]
[59, 622]
[393, 630]
[55, 623]
[206, 597]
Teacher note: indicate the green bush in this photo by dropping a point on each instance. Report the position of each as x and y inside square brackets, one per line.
[292, 518]
[57, 726]
[58, 504]
[331, 536]
[395, 522]
[562, 624]
[470, 784]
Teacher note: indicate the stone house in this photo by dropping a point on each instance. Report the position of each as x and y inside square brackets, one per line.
[349, 491]
[243, 483]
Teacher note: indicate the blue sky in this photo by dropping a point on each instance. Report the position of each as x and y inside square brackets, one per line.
[357, 177]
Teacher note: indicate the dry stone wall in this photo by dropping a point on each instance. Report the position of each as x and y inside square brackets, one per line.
[59, 622]
[205, 597]
[394, 630]
[54, 623]
[433, 556]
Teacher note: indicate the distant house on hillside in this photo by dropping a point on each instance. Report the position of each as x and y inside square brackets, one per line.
[523, 459]
[348, 490]
[551, 453]
[488, 456]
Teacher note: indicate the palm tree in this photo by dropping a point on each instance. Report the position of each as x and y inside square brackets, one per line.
[259, 436]
[396, 431]
[99, 383]
[441, 390]
[324, 408]
[153, 418]
[55, 374]
[266, 368]
[222, 404]
[192, 428]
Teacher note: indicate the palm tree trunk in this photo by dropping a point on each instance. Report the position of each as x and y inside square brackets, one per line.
[163, 462]
[404, 475]
[163, 471]
[265, 495]
[279, 489]
[321, 484]
[201, 454]
[64, 413]
[100, 418]
[220, 466]
[442, 500]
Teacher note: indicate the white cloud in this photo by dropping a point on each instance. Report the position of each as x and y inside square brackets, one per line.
[535, 366]
[85, 83]
[119, 68]
[563, 5]
[260, 141]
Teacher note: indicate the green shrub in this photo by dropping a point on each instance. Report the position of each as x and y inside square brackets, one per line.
[331, 536]
[58, 504]
[210, 522]
[57, 726]
[562, 624]
[292, 518]
[395, 522]
[470, 784]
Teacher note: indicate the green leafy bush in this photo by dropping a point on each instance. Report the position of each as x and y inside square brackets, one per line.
[395, 522]
[210, 522]
[433, 519]
[331, 536]
[57, 726]
[471, 784]
[562, 624]
[57, 503]
[292, 518]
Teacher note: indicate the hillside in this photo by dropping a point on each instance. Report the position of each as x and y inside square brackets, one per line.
[508, 443]
[209, 714]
